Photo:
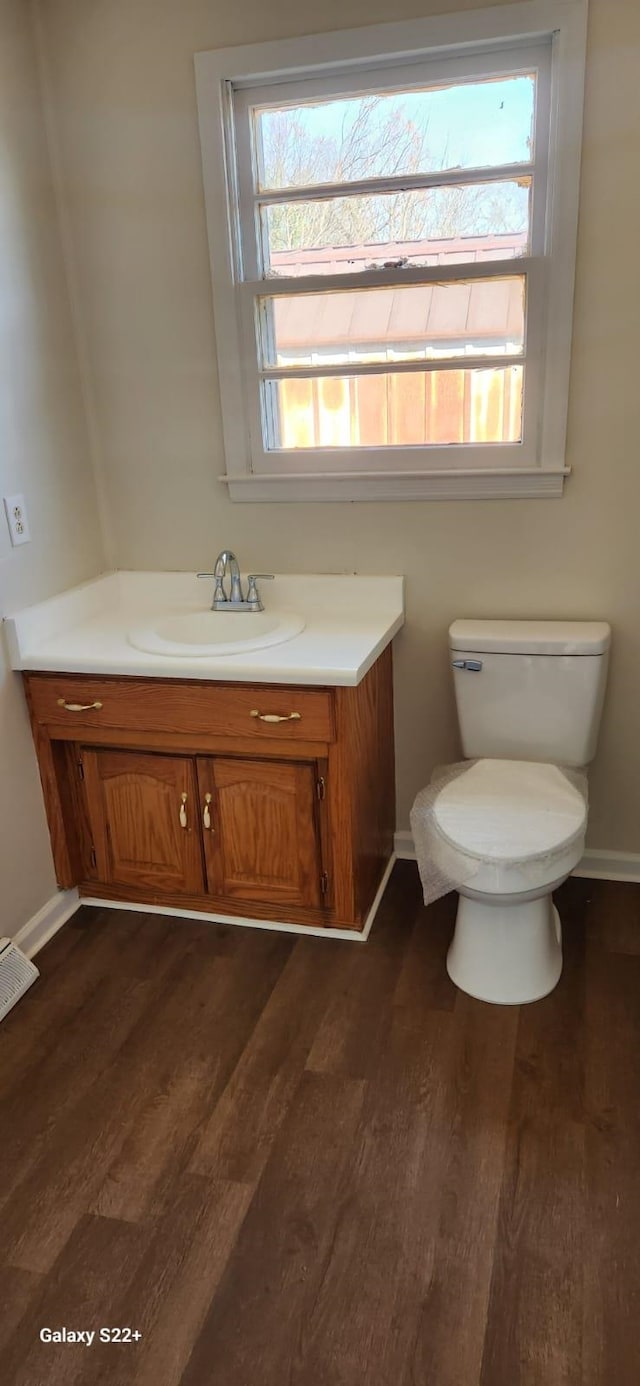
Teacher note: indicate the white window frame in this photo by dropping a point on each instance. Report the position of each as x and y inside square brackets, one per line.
[536, 467]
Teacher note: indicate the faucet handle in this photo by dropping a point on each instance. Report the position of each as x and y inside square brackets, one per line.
[219, 594]
[253, 596]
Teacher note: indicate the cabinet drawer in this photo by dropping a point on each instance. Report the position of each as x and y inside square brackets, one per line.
[159, 705]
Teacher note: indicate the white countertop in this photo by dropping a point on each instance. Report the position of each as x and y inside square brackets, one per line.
[349, 621]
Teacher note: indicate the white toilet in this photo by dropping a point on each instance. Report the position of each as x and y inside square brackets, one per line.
[507, 830]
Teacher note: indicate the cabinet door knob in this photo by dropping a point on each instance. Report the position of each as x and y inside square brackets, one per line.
[183, 810]
[79, 707]
[206, 812]
[273, 716]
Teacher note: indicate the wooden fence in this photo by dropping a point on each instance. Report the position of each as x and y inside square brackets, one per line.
[421, 407]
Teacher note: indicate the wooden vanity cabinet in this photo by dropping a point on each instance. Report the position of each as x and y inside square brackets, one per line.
[269, 802]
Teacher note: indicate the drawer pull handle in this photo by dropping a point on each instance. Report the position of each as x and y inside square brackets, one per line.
[206, 812]
[273, 716]
[183, 810]
[79, 707]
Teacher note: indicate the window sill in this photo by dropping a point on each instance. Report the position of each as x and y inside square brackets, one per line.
[498, 484]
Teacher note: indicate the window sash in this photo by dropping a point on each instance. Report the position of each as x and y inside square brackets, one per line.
[425, 457]
[499, 62]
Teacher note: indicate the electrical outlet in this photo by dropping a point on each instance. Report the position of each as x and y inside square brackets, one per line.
[17, 520]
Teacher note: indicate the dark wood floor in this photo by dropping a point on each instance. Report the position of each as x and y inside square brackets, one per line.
[300, 1162]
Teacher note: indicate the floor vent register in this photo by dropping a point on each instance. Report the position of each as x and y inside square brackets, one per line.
[16, 975]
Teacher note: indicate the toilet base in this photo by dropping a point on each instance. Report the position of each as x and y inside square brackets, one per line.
[507, 954]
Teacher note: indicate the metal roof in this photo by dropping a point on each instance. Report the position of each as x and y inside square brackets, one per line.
[475, 311]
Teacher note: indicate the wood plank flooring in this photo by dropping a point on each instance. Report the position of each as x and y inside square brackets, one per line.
[306, 1162]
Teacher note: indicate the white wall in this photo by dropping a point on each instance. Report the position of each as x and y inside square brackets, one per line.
[43, 445]
[122, 74]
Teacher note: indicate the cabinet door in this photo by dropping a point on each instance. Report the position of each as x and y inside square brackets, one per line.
[143, 810]
[261, 832]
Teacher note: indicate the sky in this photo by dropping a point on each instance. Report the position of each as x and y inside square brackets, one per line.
[477, 123]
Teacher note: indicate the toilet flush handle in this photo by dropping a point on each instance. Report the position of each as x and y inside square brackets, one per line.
[473, 665]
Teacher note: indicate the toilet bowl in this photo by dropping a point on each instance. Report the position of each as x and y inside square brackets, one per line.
[507, 826]
[512, 832]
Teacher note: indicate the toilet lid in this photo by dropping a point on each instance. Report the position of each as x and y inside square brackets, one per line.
[501, 810]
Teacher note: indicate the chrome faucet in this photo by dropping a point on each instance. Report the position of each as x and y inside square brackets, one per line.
[225, 560]
[236, 601]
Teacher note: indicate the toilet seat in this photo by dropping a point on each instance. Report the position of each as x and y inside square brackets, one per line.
[510, 826]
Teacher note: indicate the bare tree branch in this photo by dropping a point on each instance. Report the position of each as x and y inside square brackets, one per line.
[375, 139]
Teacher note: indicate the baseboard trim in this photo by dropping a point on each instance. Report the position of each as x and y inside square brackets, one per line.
[404, 848]
[609, 866]
[595, 865]
[42, 926]
[246, 922]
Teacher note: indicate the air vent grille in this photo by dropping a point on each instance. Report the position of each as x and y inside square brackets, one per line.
[16, 975]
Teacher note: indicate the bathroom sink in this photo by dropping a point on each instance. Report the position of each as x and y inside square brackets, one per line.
[195, 633]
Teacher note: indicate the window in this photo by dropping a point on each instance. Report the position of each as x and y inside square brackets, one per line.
[392, 220]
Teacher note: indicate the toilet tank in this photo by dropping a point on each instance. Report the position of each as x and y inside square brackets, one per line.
[530, 690]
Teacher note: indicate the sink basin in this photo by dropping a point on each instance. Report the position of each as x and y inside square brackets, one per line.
[196, 634]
